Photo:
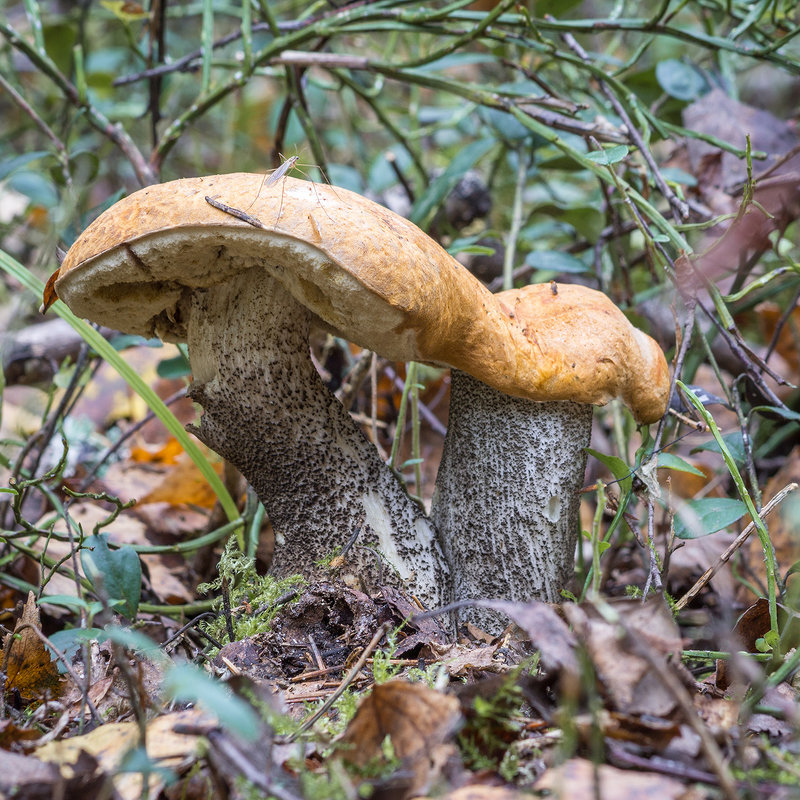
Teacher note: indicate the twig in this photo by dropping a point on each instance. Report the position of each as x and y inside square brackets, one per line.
[234, 212]
[679, 207]
[734, 546]
[379, 634]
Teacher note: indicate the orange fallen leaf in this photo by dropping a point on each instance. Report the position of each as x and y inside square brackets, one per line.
[26, 661]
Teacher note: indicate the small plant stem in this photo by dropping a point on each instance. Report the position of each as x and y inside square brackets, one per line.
[415, 443]
[516, 220]
[596, 538]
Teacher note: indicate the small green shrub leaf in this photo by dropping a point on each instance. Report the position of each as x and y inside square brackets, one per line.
[671, 461]
[117, 572]
[697, 518]
[611, 155]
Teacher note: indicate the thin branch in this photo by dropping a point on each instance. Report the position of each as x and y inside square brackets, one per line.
[732, 548]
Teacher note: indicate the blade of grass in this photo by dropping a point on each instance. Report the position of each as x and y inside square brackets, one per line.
[115, 360]
[761, 528]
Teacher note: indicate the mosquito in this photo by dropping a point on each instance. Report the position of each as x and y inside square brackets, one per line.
[287, 165]
[274, 177]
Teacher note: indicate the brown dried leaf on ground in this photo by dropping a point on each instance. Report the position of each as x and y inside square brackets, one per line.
[110, 743]
[417, 720]
[484, 792]
[546, 629]
[462, 661]
[580, 779]
[28, 777]
[27, 665]
[631, 685]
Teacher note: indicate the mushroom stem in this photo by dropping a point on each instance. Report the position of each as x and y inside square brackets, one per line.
[507, 495]
[267, 411]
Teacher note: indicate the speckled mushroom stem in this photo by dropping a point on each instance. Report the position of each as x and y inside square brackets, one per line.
[267, 411]
[507, 495]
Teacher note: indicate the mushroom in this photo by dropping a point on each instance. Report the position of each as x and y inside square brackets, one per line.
[244, 292]
[507, 493]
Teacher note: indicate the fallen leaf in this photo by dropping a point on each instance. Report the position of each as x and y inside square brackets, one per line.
[26, 661]
[28, 777]
[546, 629]
[580, 779]
[415, 718]
[630, 683]
[750, 627]
[111, 742]
[461, 660]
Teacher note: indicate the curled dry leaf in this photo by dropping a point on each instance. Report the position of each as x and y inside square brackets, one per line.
[417, 720]
[631, 685]
[26, 661]
[546, 629]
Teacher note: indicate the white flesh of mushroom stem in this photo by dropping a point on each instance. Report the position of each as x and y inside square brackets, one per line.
[507, 495]
[267, 411]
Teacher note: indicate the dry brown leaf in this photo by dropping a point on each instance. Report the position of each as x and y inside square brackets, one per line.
[11, 735]
[26, 661]
[417, 720]
[32, 779]
[460, 660]
[631, 684]
[578, 779]
[184, 484]
[109, 743]
[546, 629]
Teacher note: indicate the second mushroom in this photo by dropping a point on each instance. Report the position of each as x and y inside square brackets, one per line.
[164, 261]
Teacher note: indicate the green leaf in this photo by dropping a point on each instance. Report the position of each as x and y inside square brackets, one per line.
[70, 640]
[13, 164]
[777, 411]
[608, 156]
[186, 684]
[733, 441]
[671, 461]
[441, 186]
[697, 518]
[680, 80]
[118, 573]
[38, 189]
[176, 367]
[619, 469]
[71, 602]
[555, 261]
